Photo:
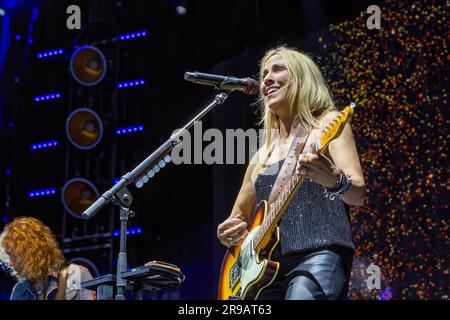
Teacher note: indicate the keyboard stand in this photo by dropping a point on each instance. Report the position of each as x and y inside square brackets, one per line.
[104, 286]
[152, 278]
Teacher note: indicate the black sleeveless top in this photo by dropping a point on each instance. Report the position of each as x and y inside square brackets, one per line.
[311, 221]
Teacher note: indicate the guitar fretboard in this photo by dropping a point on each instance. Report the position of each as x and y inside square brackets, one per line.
[277, 208]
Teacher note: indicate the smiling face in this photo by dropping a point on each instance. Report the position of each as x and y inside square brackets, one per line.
[274, 84]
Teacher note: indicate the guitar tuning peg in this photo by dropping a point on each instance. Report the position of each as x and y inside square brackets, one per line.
[156, 168]
[161, 164]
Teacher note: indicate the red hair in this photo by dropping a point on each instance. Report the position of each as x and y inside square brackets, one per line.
[35, 248]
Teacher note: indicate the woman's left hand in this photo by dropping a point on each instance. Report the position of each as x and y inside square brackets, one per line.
[318, 169]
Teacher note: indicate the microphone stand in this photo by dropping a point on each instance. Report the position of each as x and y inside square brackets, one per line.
[122, 197]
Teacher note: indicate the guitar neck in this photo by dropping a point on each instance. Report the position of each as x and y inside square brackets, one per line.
[277, 208]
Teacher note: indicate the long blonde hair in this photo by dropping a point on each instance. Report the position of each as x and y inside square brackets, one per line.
[307, 92]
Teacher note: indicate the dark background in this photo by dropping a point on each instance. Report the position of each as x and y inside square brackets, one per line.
[179, 210]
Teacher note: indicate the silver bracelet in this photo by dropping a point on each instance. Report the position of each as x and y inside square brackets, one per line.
[344, 184]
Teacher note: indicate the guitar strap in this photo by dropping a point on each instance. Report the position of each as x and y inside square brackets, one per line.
[290, 162]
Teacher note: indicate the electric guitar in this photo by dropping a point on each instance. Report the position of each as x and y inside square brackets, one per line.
[247, 269]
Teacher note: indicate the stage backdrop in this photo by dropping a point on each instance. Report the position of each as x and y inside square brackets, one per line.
[398, 78]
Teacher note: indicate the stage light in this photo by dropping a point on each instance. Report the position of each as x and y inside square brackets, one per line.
[41, 193]
[136, 230]
[132, 129]
[180, 7]
[44, 145]
[181, 10]
[47, 96]
[88, 65]
[84, 128]
[386, 294]
[131, 83]
[132, 35]
[77, 195]
[50, 53]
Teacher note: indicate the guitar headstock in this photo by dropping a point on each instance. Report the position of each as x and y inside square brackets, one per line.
[335, 127]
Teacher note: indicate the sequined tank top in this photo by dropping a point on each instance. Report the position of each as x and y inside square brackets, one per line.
[311, 221]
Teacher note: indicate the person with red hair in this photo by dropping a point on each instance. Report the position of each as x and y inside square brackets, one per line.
[30, 252]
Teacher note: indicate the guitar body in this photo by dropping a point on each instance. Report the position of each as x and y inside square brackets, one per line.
[245, 273]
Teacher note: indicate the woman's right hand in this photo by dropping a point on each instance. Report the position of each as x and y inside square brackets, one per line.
[232, 232]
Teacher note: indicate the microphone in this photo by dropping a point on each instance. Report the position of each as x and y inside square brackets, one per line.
[246, 85]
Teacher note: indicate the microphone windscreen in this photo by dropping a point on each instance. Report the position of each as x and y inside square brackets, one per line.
[252, 86]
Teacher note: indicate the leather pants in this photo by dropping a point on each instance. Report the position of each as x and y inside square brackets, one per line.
[320, 275]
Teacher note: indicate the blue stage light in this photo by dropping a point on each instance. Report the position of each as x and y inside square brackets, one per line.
[49, 53]
[136, 230]
[131, 83]
[48, 96]
[132, 35]
[41, 193]
[43, 145]
[131, 129]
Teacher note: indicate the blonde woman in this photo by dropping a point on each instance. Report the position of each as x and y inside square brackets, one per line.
[29, 251]
[316, 248]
